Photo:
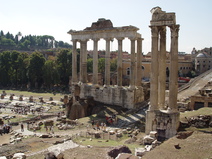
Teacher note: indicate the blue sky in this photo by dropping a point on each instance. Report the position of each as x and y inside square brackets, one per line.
[56, 18]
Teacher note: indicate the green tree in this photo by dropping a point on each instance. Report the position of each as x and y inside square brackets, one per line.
[113, 65]
[64, 65]
[50, 74]
[5, 68]
[101, 65]
[14, 66]
[35, 69]
[1, 33]
[25, 45]
[90, 65]
[23, 63]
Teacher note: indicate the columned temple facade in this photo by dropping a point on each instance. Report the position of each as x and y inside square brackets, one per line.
[163, 117]
[126, 97]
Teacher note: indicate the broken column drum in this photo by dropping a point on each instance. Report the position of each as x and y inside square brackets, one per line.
[127, 97]
[159, 118]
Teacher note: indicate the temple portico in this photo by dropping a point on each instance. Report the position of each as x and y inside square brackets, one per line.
[161, 117]
[117, 95]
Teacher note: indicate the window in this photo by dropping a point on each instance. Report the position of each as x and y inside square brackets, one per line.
[128, 71]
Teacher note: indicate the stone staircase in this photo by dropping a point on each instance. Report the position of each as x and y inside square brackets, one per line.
[133, 116]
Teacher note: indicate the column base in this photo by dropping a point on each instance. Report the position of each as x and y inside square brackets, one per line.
[164, 122]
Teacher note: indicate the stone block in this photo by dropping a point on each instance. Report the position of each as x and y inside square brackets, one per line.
[153, 134]
[19, 156]
[140, 151]
[147, 140]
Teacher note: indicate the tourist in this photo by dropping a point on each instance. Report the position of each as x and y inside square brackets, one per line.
[52, 129]
[102, 125]
[1, 131]
[97, 125]
[46, 129]
[34, 130]
[92, 123]
[106, 120]
[22, 127]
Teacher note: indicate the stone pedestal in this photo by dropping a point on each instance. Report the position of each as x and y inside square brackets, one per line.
[164, 122]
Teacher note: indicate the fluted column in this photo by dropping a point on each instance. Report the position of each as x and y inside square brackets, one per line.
[83, 50]
[162, 66]
[95, 61]
[119, 62]
[173, 81]
[107, 62]
[132, 66]
[154, 70]
[139, 62]
[74, 62]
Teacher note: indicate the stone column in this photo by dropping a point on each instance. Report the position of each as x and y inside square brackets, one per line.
[173, 81]
[119, 62]
[132, 66]
[139, 62]
[95, 61]
[74, 62]
[84, 60]
[107, 62]
[162, 66]
[80, 65]
[154, 70]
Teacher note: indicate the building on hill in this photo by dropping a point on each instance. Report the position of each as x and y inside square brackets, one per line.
[203, 62]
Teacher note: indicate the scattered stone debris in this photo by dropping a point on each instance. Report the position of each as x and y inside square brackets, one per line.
[201, 121]
[184, 134]
[117, 150]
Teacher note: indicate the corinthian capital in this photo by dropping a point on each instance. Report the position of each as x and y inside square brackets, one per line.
[154, 30]
[174, 30]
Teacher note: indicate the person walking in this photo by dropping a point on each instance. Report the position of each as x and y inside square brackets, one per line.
[22, 127]
[92, 123]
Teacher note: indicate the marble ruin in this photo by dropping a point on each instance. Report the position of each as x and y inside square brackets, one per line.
[161, 118]
[126, 97]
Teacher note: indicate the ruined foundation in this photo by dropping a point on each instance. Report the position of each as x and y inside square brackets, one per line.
[120, 96]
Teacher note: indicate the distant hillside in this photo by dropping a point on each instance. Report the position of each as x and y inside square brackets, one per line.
[29, 42]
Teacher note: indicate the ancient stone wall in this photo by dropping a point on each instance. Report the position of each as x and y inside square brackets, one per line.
[124, 97]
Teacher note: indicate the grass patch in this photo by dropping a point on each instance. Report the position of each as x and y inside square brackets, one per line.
[107, 143]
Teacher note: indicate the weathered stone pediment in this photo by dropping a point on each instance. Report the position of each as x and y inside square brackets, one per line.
[100, 24]
[160, 17]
